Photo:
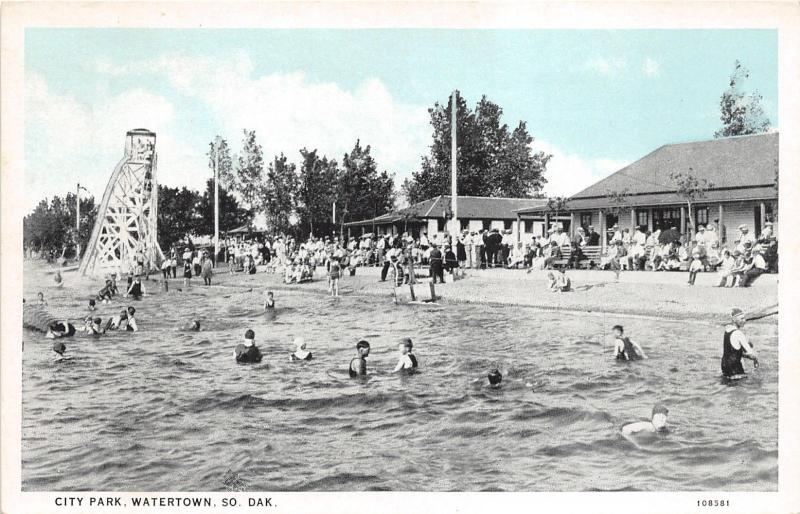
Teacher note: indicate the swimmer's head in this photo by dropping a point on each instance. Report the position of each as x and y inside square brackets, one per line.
[195, 325]
[249, 334]
[737, 317]
[406, 345]
[618, 330]
[362, 347]
[92, 303]
[300, 343]
[269, 293]
[97, 321]
[495, 377]
[59, 348]
[131, 311]
[40, 295]
[660, 417]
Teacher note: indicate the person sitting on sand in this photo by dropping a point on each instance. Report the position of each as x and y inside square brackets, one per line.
[624, 348]
[40, 298]
[563, 282]
[60, 348]
[136, 289]
[59, 329]
[270, 301]
[247, 351]
[407, 362]
[58, 280]
[301, 354]
[495, 378]
[657, 423]
[92, 304]
[735, 346]
[358, 366]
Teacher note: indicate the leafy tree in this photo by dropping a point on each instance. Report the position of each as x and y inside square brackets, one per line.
[316, 191]
[741, 113]
[555, 205]
[690, 188]
[618, 199]
[491, 160]
[362, 192]
[231, 214]
[249, 176]
[279, 193]
[178, 215]
[226, 172]
[51, 225]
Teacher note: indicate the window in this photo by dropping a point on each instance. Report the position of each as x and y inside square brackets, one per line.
[441, 223]
[528, 226]
[666, 218]
[586, 220]
[487, 224]
[701, 216]
[641, 218]
[507, 224]
[464, 224]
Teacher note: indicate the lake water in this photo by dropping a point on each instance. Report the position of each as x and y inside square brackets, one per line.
[163, 410]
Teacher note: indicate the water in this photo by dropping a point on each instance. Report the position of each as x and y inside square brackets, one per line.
[163, 410]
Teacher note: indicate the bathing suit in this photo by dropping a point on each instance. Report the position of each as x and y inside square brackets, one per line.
[413, 360]
[136, 290]
[334, 270]
[628, 351]
[187, 269]
[731, 358]
[247, 353]
[308, 357]
[354, 373]
[67, 331]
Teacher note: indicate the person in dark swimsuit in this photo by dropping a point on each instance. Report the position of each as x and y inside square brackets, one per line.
[407, 362]
[735, 346]
[247, 352]
[358, 366]
[136, 289]
[58, 329]
[59, 348]
[624, 348]
[495, 378]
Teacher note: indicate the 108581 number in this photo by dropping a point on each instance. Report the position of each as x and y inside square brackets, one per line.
[713, 503]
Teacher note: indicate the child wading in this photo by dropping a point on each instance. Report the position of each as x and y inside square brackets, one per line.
[624, 348]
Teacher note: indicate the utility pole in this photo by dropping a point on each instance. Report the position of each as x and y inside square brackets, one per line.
[453, 158]
[78, 222]
[216, 199]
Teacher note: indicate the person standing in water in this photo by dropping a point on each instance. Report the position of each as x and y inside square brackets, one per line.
[187, 273]
[407, 362]
[206, 270]
[358, 366]
[334, 272]
[269, 304]
[301, 354]
[735, 346]
[57, 278]
[624, 348]
[657, 423]
[495, 378]
[136, 289]
[247, 351]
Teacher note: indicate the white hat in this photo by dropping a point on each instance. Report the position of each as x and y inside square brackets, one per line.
[742, 227]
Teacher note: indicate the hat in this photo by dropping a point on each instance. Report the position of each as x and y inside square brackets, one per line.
[737, 314]
[615, 226]
[768, 224]
[701, 227]
[551, 230]
[591, 227]
[300, 343]
[743, 227]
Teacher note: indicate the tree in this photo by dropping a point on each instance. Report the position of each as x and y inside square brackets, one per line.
[178, 215]
[741, 113]
[226, 172]
[361, 191]
[279, 192]
[490, 160]
[618, 199]
[690, 188]
[231, 214]
[555, 205]
[316, 191]
[51, 225]
[249, 176]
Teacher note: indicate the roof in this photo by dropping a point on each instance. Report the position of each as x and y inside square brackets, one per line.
[469, 207]
[741, 167]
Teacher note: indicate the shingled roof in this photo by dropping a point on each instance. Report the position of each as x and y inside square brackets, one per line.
[740, 168]
[469, 207]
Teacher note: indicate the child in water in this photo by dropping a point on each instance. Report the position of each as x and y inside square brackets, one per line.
[270, 302]
[40, 297]
[301, 354]
[407, 362]
[657, 423]
[57, 278]
[247, 351]
[624, 348]
[358, 366]
[92, 304]
[60, 348]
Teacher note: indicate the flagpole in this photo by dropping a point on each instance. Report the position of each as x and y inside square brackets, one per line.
[78, 222]
[216, 200]
[453, 164]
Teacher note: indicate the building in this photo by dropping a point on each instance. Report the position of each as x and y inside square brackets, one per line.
[474, 213]
[743, 171]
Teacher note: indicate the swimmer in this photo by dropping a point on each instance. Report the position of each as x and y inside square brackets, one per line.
[247, 351]
[126, 318]
[106, 293]
[92, 304]
[58, 329]
[270, 302]
[735, 346]
[657, 423]
[495, 378]
[301, 354]
[624, 348]
[358, 366]
[40, 298]
[57, 278]
[408, 361]
[136, 289]
[59, 348]
[93, 326]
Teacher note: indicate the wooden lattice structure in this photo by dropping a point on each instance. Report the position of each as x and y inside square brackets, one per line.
[126, 229]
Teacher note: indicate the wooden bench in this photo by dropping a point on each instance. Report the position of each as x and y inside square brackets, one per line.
[591, 254]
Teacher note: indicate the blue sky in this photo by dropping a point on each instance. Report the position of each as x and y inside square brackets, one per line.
[596, 99]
